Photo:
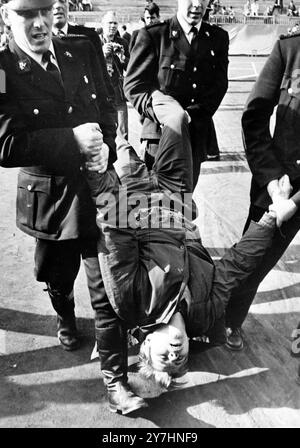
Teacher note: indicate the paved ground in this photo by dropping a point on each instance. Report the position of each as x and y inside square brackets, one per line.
[43, 386]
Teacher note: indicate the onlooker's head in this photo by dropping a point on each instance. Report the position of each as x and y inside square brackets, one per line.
[30, 22]
[110, 24]
[164, 352]
[151, 14]
[60, 13]
[124, 28]
[192, 11]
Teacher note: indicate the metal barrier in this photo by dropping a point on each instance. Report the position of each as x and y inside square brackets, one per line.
[219, 19]
[81, 18]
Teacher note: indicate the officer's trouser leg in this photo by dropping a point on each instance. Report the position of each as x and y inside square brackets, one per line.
[57, 264]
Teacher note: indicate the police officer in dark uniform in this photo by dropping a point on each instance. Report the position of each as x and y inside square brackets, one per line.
[53, 124]
[61, 27]
[183, 59]
[270, 157]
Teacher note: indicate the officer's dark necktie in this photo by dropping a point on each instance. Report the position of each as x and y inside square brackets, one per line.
[50, 67]
[194, 41]
[60, 33]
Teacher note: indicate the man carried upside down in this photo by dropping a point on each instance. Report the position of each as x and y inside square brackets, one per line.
[159, 278]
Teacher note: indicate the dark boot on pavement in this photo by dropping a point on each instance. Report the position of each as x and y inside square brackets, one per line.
[112, 347]
[234, 339]
[66, 323]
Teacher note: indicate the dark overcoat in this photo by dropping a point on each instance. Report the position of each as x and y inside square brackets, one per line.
[272, 154]
[161, 58]
[37, 117]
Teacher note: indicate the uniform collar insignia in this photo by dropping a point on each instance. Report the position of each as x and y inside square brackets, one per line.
[68, 54]
[24, 65]
[174, 32]
[207, 33]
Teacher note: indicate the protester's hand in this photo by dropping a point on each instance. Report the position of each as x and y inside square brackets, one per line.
[284, 209]
[108, 49]
[99, 162]
[89, 139]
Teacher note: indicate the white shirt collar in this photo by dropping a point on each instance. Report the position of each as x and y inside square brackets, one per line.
[186, 26]
[36, 56]
[64, 29]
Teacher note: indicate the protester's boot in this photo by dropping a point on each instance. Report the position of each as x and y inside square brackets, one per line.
[112, 347]
[66, 325]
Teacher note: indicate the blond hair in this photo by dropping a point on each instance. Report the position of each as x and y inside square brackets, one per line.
[162, 378]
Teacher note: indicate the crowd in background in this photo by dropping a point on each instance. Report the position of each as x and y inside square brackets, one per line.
[80, 5]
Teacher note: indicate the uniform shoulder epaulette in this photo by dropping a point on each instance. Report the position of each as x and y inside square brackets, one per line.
[287, 36]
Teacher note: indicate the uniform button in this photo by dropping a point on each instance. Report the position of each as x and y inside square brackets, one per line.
[70, 110]
[192, 100]
[290, 90]
[29, 187]
[298, 162]
[182, 247]
[36, 111]
[212, 52]
[194, 86]
[94, 96]
[81, 168]
[172, 66]
[86, 79]
[195, 69]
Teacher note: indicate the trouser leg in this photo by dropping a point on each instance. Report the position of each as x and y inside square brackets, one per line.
[173, 161]
[237, 264]
[213, 148]
[243, 296]
[57, 264]
[99, 300]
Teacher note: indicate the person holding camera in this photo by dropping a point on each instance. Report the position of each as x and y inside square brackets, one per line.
[116, 53]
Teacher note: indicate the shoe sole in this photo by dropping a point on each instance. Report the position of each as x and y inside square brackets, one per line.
[116, 410]
[234, 349]
[69, 348]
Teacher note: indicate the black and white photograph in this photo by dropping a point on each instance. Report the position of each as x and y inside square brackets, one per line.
[149, 217]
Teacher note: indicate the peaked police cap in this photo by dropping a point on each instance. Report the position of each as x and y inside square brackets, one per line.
[27, 5]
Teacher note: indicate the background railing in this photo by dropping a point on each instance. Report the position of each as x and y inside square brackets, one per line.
[132, 15]
[255, 20]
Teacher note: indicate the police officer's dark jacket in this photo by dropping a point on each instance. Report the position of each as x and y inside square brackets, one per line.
[162, 59]
[37, 114]
[271, 156]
